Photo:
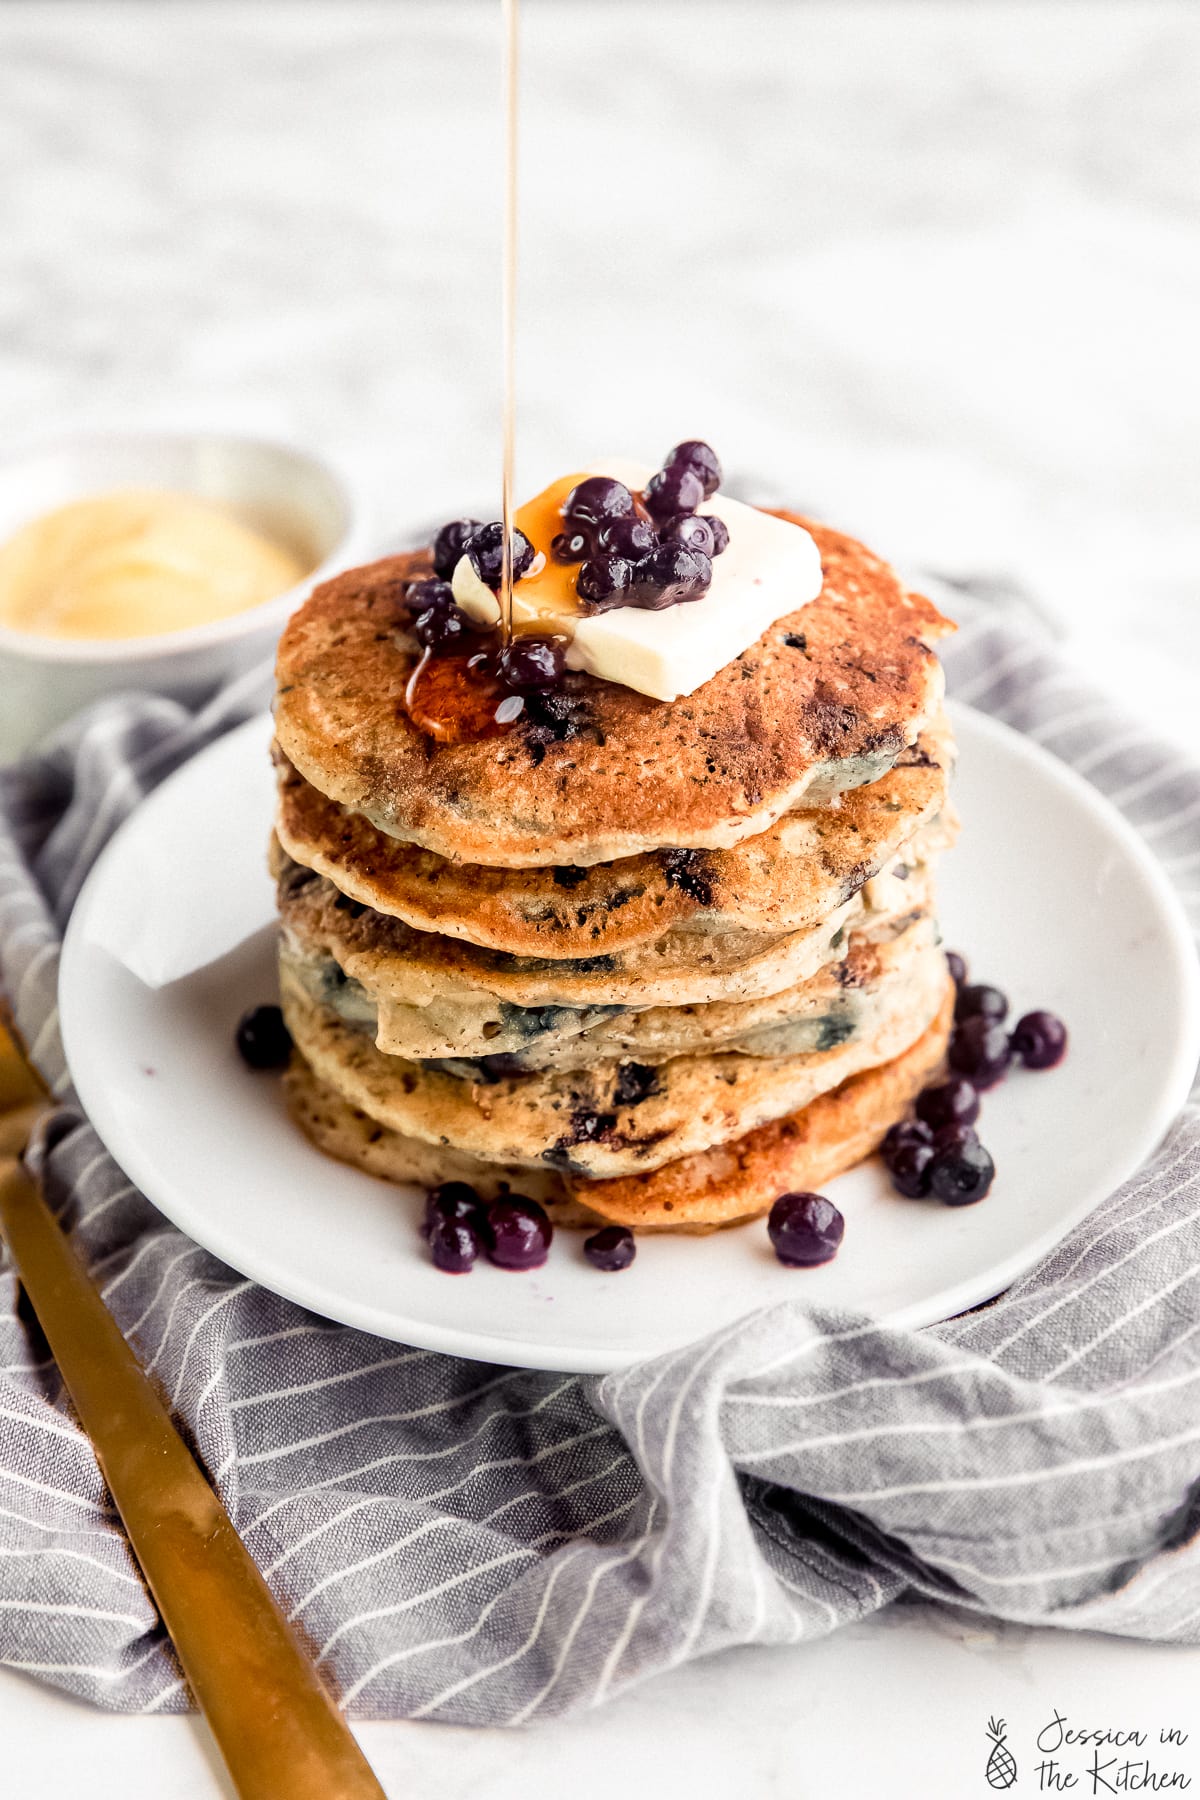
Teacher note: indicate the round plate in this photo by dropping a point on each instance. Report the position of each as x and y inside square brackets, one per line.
[1049, 893]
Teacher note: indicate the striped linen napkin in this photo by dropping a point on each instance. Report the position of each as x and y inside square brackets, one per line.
[491, 1546]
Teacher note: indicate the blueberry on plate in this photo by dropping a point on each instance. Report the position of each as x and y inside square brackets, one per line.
[908, 1167]
[980, 1050]
[1040, 1040]
[451, 1200]
[516, 1233]
[453, 1244]
[954, 1102]
[907, 1131]
[959, 1177]
[954, 1137]
[611, 1248]
[262, 1038]
[532, 665]
[979, 1001]
[805, 1229]
[957, 967]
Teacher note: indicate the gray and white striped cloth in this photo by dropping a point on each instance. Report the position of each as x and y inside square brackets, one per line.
[493, 1546]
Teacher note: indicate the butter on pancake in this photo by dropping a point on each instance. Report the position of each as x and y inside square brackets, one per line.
[824, 701]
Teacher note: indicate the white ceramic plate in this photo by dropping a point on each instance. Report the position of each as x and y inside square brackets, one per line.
[1049, 894]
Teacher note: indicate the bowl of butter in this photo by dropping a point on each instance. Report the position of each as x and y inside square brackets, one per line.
[155, 561]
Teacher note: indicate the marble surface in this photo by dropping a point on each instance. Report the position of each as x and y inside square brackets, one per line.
[932, 270]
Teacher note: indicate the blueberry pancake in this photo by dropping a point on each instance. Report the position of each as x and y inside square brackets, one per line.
[785, 878]
[612, 1118]
[825, 700]
[724, 1185]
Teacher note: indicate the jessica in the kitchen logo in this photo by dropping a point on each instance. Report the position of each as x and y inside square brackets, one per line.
[1091, 1759]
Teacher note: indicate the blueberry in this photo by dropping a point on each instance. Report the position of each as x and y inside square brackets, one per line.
[695, 454]
[908, 1131]
[909, 1169]
[531, 665]
[669, 576]
[675, 490]
[486, 551]
[451, 543]
[720, 531]
[610, 1249]
[688, 529]
[953, 1137]
[980, 1002]
[980, 1050]
[596, 501]
[452, 1200]
[805, 1229]
[1040, 1040]
[442, 627]
[262, 1038]
[453, 1244]
[571, 546]
[517, 1233]
[961, 1176]
[604, 582]
[422, 595]
[957, 967]
[955, 1102]
[631, 538]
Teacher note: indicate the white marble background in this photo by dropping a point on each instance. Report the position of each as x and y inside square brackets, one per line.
[932, 270]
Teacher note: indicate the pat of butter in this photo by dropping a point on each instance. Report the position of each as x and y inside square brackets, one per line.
[769, 568]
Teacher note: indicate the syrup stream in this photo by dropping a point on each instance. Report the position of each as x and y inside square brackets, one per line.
[508, 308]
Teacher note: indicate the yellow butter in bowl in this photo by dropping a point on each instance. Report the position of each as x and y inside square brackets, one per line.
[136, 563]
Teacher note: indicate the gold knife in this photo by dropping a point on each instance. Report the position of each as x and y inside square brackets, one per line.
[277, 1728]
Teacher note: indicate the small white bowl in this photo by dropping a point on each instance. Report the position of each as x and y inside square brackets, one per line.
[292, 496]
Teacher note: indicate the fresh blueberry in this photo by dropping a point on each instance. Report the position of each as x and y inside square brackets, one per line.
[955, 1102]
[596, 501]
[571, 546]
[517, 1233]
[688, 529]
[604, 582]
[980, 1050]
[451, 543]
[980, 1002]
[532, 665]
[486, 551]
[611, 1249]
[957, 967]
[695, 454]
[453, 1244]
[452, 1200]
[909, 1169]
[442, 627]
[805, 1229]
[631, 538]
[907, 1131]
[674, 490]
[262, 1038]
[953, 1137]
[669, 576]
[961, 1176]
[720, 531]
[1040, 1040]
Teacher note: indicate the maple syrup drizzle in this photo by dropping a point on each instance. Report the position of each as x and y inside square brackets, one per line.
[508, 306]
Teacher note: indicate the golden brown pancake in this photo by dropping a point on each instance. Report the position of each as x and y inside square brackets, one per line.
[783, 879]
[825, 700]
[724, 1186]
[613, 1118]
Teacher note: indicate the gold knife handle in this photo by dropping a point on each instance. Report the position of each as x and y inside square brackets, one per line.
[277, 1728]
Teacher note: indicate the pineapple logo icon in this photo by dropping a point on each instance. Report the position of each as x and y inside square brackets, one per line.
[1001, 1764]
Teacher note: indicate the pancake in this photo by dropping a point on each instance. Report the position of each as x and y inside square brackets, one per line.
[464, 1001]
[783, 879]
[843, 1000]
[719, 1187]
[613, 1118]
[824, 701]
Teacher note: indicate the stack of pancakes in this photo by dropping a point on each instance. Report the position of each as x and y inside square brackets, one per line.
[648, 963]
